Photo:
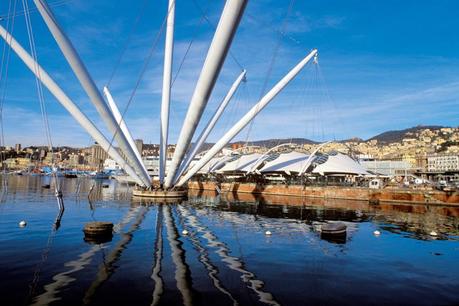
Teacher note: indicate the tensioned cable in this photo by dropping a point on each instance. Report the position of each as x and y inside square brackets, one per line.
[33, 10]
[40, 92]
[11, 11]
[326, 91]
[139, 79]
[272, 63]
[128, 41]
[6, 69]
[204, 15]
[5, 45]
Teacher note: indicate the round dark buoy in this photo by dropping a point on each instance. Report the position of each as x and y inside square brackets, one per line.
[334, 232]
[98, 232]
[46, 186]
[337, 228]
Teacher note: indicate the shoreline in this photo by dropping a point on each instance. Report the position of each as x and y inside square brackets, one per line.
[373, 196]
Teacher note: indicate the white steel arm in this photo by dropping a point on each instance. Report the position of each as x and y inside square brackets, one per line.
[247, 118]
[120, 120]
[166, 93]
[90, 88]
[69, 105]
[229, 21]
[210, 125]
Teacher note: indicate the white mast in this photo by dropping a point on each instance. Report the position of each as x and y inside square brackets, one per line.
[69, 105]
[206, 131]
[165, 102]
[229, 20]
[247, 118]
[89, 86]
[122, 123]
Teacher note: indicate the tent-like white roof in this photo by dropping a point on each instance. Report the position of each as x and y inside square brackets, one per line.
[214, 164]
[286, 162]
[340, 163]
[242, 164]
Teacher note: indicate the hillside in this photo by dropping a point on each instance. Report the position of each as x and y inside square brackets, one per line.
[398, 135]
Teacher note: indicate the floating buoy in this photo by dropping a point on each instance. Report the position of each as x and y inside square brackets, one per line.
[376, 233]
[433, 233]
[98, 230]
[22, 223]
[338, 228]
[105, 185]
[268, 233]
[184, 232]
[46, 186]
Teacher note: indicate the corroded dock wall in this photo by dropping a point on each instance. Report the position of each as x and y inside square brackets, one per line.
[396, 195]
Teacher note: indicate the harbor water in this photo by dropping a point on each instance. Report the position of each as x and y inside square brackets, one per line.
[215, 250]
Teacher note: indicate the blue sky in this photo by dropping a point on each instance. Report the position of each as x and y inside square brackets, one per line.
[383, 65]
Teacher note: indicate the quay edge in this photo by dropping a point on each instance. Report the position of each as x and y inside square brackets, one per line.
[373, 196]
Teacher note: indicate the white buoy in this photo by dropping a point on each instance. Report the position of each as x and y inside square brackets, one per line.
[376, 233]
[22, 223]
[433, 233]
[184, 232]
[268, 233]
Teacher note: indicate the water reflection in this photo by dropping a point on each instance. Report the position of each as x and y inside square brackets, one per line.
[158, 256]
[416, 220]
[226, 257]
[212, 271]
[234, 263]
[109, 267]
[63, 279]
[182, 270]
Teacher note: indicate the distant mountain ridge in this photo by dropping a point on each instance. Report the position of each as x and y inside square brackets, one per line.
[385, 137]
[398, 135]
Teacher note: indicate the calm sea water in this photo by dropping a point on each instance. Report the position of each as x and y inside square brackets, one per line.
[226, 258]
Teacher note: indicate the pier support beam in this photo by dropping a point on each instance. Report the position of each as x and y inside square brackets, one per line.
[90, 88]
[247, 118]
[69, 105]
[216, 55]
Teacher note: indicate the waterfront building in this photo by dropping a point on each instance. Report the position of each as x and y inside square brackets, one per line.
[97, 155]
[443, 163]
[75, 160]
[18, 147]
[388, 167]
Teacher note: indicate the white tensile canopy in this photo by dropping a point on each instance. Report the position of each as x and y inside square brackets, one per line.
[341, 164]
[214, 164]
[286, 162]
[242, 164]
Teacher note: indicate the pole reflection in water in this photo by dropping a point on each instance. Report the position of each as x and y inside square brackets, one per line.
[44, 256]
[232, 262]
[182, 271]
[63, 279]
[109, 267]
[212, 271]
[159, 286]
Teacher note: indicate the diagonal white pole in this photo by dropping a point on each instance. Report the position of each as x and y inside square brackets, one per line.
[166, 94]
[119, 118]
[210, 125]
[247, 118]
[69, 105]
[229, 21]
[90, 87]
